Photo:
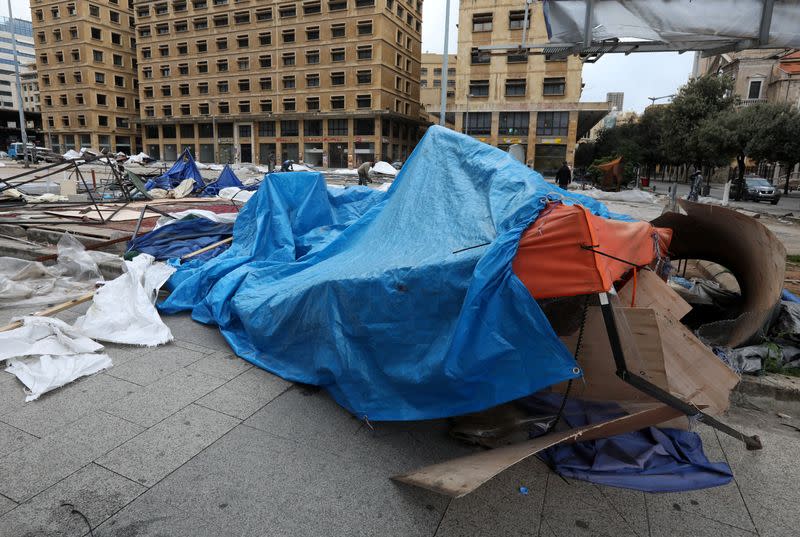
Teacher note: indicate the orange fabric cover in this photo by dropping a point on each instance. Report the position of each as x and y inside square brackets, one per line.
[550, 260]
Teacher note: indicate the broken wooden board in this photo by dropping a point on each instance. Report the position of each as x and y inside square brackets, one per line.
[653, 292]
[124, 215]
[459, 477]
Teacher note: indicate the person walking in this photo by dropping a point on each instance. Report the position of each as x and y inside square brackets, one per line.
[363, 173]
[287, 166]
[564, 176]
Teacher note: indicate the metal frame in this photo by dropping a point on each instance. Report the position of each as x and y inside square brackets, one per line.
[656, 392]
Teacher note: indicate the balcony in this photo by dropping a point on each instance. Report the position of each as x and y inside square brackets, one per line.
[750, 102]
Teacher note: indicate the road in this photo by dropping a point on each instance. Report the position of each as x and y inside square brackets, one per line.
[787, 204]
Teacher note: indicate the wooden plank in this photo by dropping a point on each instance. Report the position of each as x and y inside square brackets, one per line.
[51, 310]
[653, 292]
[207, 248]
[458, 477]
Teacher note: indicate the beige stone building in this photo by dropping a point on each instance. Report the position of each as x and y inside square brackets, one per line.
[508, 97]
[29, 82]
[85, 57]
[326, 82]
[431, 86]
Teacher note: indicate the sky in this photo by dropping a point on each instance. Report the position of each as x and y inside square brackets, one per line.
[639, 76]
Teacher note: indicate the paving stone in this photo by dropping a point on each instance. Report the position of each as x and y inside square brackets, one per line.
[185, 329]
[121, 354]
[150, 517]
[498, 507]
[149, 457]
[12, 439]
[675, 522]
[243, 395]
[155, 364]
[163, 398]
[222, 364]
[12, 396]
[64, 405]
[50, 459]
[256, 484]
[192, 347]
[94, 491]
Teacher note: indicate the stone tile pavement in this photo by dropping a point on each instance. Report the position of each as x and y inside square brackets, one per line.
[188, 440]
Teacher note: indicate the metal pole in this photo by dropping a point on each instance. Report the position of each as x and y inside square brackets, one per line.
[22, 130]
[444, 62]
[466, 116]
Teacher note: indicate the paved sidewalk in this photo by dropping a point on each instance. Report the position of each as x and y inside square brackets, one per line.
[188, 440]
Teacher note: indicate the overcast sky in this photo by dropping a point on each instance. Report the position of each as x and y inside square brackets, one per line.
[639, 76]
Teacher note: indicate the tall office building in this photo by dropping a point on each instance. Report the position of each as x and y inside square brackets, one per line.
[616, 99]
[86, 62]
[431, 86]
[23, 30]
[508, 97]
[328, 82]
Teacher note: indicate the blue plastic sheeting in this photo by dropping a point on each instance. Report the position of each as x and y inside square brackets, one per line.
[184, 168]
[226, 179]
[650, 460]
[788, 296]
[183, 237]
[407, 311]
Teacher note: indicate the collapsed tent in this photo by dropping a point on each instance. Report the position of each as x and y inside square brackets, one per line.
[183, 169]
[226, 179]
[401, 314]
[182, 237]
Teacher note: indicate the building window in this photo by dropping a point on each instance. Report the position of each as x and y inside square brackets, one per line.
[222, 66]
[119, 81]
[337, 30]
[288, 59]
[478, 123]
[265, 38]
[222, 44]
[312, 33]
[265, 84]
[290, 128]
[364, 77]
[183, 69]
[264, 14]
[477, 88]
[266, 106]
[287, 11]
[553, 86]
[515, 87]
[224, 108]
[243, 63]
[242, 41]
[181, 26]
[166, 110]
[244, 107]
[337, 78]
[754, 89]
[337, 54]
[165, 71]
[244, 84]
[337, 127]
[337, 102]
[266, 128]
[202, 88]
[364, 127]
[289, 105]
[312, 80]
[186, 110]
[242, 17]
[514, 123]
[100, 78]
[101, 99]
[97, 34]
[289, 82]
[183, 89]
[364, 27]
[204, 109]
[517, 58]
[482, 22]
[552, 123]
[312, 8]
[202, 67]
[220, 21]
[222, 86]
[363, 101]
[117, 60]
[265, 61]
[312, 57]
[94, 10]
[479, 58]
[312, 105]
[202, 46]
[200, 23]
[148, 92]
[288, 36]
[337, 5]
[365, 3]
[97, 56]
[245, 131]
[364, 52]
[516, 20]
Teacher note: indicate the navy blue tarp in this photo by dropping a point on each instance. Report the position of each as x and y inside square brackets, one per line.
[226, 179]
[402, 305]
[184, 168]
[183, 237]
[650, 460]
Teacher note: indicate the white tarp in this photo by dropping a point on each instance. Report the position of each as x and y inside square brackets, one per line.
[384, 168]
[44, 335]
[141, 158]
[711, 23]
[123, 310]
[209, 215]
[236, 193]
[29, 283]
[44, 373]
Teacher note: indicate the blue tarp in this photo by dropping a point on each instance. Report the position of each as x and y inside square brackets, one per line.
[402, 305]
[788, 296]
[650, 460]
[226, 179]
[183, 237]
[184, 168]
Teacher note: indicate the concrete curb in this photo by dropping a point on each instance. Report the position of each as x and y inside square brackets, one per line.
[770, 391]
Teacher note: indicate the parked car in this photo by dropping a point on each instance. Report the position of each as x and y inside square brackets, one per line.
[757, 189]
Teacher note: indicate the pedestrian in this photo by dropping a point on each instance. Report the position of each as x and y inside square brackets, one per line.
[695, 185]
[363, 173]
[271, 162]
[287, 166]
[564, 176]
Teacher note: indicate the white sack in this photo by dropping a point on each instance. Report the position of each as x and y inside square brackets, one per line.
[44, 335]
[183, 189]
[45, 373]
[123, 310]
[384, 168]
[236, 193]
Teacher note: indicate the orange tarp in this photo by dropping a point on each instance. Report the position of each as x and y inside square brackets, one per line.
[552, 262]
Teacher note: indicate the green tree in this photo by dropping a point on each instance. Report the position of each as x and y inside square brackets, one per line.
[700, 99]
[778, 139]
